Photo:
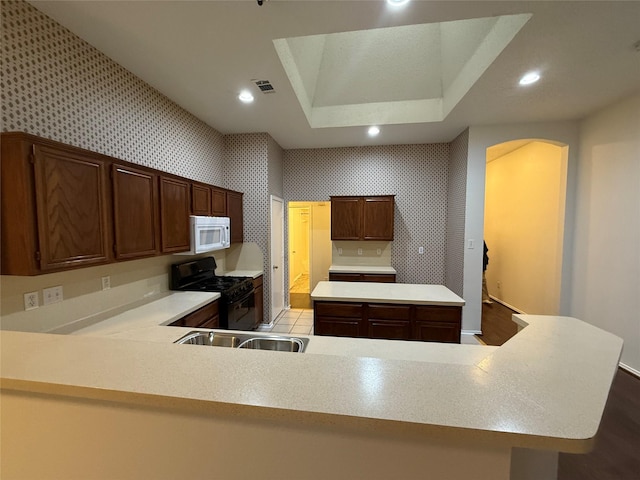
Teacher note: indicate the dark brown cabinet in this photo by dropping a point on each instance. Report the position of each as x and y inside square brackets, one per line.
[388, 321]
[135, 212]
[64, 207]
[362, 218]
[205, 317]
[258, 298]
[174, 210]
[362, 277]
[200, 199]
[218, 202]
[234, 212]
[55, 210]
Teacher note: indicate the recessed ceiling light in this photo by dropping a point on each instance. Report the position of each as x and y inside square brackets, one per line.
[373, 131]
[245, 96]
[529, 78]
[397, 3]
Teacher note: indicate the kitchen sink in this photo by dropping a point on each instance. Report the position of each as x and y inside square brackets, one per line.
[281, 344]
[240, 340]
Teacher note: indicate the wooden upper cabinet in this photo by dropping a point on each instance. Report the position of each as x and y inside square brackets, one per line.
[54, 207]
[135, 212]
[200, 199]
[175, 204]
[234, 212]
[218, 202]
[362, 218]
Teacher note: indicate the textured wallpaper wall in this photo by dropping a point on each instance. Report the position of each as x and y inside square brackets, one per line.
[56, 85]
[456, 198]
[416, 174]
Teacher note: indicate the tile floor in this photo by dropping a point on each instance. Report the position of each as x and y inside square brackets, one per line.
[295, 320]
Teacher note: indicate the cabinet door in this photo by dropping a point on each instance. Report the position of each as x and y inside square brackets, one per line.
[377, 218]
[174, 214]
[437, 324]
[200, 199]
[346, 218]
[234, 211]
[258, 298]
[389, 321]
[135, 212]
[218, 202]
[207, 315]
[71, 208]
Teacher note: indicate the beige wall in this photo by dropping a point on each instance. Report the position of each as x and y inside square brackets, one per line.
[524, 215]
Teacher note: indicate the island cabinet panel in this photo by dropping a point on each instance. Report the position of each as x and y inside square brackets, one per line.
[234, 212]
[362, 218]
[205, 317]
[258, 291]
[55, 211]
[200, 199]
[218, 202]
[338, 319]
[135, 212]
[437, 323]
[388, 321]
[362, 277]
[175, 203]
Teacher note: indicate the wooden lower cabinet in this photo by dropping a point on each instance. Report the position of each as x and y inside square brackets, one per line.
[205, 317]
[258, 292]
[388, 321]
[363, 277]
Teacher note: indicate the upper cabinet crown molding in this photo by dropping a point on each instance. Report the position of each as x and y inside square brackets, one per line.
[362, 217]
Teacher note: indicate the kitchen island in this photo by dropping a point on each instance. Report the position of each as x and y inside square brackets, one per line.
[399, 311]
[126, 402]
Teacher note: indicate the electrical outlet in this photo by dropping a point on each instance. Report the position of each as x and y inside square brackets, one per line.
[106, 283]
[359, 251]
[421, 250]
[30, 300]
[499, 284]
[378, 251]
[339, 251]
[52, 295]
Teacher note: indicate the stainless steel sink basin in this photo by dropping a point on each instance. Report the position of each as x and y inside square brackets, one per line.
[248, 340]
[281, 344]
[211, 339]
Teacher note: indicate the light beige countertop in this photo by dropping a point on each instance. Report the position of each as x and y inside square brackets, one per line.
[244, 273]
[381, 269]
[375, 292]
[544, 388]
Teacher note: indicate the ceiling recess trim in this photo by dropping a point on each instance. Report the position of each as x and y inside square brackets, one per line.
[444, 61]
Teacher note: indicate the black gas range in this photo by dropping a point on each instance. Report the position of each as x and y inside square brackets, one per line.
[237, 304]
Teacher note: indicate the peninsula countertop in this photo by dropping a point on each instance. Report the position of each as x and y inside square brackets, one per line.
[374, 292]
[544, 388]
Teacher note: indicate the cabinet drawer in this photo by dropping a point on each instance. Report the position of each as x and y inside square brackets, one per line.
[389, 312]
[333, 309]
[199, 317]
[379, 277]
[430, 313]
[344, 277]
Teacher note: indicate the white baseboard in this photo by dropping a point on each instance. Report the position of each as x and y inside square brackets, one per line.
[629, 369]
[471, 332]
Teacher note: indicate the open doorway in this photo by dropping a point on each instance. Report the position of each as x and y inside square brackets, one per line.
[524, 224]
[309, 249]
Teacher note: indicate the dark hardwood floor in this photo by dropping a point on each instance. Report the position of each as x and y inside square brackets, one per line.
[616, 455]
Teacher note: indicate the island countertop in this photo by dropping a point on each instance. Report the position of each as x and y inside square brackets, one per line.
[374, 292]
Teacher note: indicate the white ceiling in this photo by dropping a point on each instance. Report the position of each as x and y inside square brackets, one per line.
[340, 66]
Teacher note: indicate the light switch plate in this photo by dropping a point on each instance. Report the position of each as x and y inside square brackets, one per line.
[359, 251]
[106, 283]
[31, 300]
[421, 250]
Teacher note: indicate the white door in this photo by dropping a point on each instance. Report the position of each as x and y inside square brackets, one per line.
[277, 256]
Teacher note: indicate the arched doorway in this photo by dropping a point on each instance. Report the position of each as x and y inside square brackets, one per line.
[525, 196]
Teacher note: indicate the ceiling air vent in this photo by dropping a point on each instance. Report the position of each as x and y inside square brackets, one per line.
[264, 86]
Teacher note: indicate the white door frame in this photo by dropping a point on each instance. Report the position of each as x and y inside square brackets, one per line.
[279, 258]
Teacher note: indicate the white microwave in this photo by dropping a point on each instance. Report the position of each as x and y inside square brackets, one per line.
[208, 234]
